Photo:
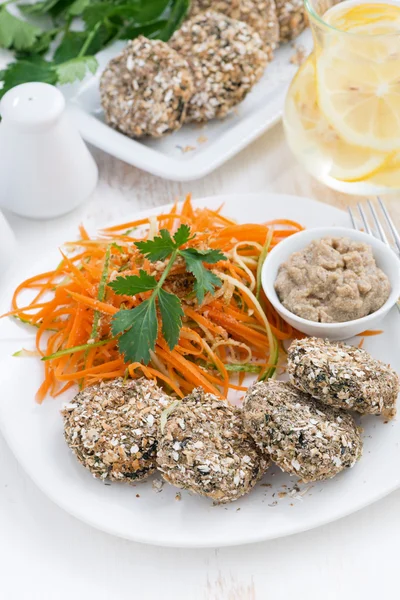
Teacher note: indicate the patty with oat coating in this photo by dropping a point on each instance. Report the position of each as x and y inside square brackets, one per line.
[112, 428]
[259, 14]
[302, 436]
[292, 19]
[145, 90]
[343, 376]
[204, 448]
[226, 58]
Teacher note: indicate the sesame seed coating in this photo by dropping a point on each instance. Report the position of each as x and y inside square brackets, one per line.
[343, 376]
[302, 436]
[259, 14]
[226, 58]
[145, 89]
[204, 448]
[292, 18]
[230, 8]
[112, 428]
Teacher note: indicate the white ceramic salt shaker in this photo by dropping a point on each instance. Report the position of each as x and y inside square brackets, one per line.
[46, 169]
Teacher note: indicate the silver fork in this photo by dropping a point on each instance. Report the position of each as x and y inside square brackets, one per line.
[380, 230]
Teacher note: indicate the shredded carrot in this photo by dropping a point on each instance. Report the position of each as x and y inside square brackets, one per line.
[95, 304]
[83, 233]
[370, 332]
[228, 327]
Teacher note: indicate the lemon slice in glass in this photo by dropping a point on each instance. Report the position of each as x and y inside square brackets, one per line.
[358, 76]
[356, 17]
[389, 175]
[346, 161]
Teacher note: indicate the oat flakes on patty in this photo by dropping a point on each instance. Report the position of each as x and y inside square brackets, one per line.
[205, 449]
[292, 19]
[145, 89]
[302, 436]
[226, 58]
[112, 428]
[259, 14]
[343, 376]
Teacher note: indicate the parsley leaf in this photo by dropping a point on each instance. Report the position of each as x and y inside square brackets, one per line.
[42, 44]
[73, 42]
[15, 33]
[76, 68]
[37, 69]
[26, 70]
[182, 235]
[163, 245]
[171, 315]
[38, 8]
[70, 46]
[134, 284]
[176, 14]
[208, 256]
[77, 7]
[139, 326]
[60, 9]
[206, 281]
[159, 248]
[142, 329]
[122, 320]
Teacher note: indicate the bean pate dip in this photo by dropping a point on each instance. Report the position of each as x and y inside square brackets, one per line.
[332, 280]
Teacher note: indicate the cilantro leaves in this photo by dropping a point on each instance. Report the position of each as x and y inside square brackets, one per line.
[134, 284]
[76, 68]
[103, 22]
[142, 329]
[206, 281]
[15, 33]
[139, 326]
[27, 70]
[171, 316]
[38, 69]
[163, 245]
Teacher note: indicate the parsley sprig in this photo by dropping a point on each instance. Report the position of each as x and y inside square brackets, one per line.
[138, 327]
[63, 51]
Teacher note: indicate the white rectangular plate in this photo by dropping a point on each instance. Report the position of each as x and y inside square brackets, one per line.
[195, 150]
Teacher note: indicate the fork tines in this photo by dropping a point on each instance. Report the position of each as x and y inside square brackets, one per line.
[379, 229]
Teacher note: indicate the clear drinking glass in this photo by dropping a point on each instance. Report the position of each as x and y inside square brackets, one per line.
[342, 111]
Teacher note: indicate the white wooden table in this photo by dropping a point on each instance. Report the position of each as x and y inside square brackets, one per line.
[47, 555]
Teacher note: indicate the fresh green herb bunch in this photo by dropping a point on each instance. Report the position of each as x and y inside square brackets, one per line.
[139, 325]
[60, 46]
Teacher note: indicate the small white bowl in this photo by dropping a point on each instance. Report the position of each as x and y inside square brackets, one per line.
[385, 258]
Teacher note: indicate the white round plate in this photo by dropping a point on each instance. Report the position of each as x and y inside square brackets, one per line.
[274, 508]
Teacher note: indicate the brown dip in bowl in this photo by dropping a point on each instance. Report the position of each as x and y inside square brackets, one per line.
[332, 280]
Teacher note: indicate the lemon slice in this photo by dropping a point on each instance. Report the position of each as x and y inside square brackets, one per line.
[385, 18]
[358, 76]
[389, 176]
[345, 162]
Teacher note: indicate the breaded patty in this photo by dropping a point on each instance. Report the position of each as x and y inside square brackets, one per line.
[343, 376]
[205, 449]
[226, 59]
[112, 428]
[292, 19]
[302, 436]
[259, 14]
[145, 90]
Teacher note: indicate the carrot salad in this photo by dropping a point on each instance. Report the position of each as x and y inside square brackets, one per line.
[234, 331]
